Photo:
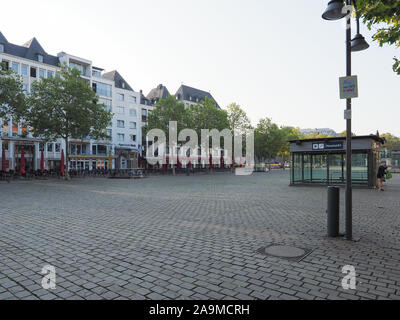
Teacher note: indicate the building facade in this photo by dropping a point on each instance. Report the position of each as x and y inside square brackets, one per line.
[32, 63]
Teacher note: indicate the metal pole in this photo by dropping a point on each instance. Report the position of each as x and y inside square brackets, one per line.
[349, 191]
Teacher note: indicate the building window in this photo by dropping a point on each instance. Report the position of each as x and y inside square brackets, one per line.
[96, 73]
[121, 110]
[102, 89]
[120, 97]
[121, 137]
[58, 75]
[133, 113]
[133, 137]
[1, 47]
[24, 70]
[109, 134]
[50, 74]
[49, 147]
[15, 67]
[123, 85]
[133, 99]
[121, 124]
[58, 147]
[132, 125]
[33, 72]
[107, 103]
[42, 73]
[144, 115]
[40, 58]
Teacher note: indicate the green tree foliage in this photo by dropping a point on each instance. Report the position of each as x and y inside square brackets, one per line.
[392, 142]
[385, 15]
[238, 119]
[66, 107]
[12, 97]
[268, 139]
[204, 115]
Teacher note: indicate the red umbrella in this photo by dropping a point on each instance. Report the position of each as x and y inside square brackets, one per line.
[62, 162]
[22, 168]
[42, 162]
[211, 161]
[3, 160]
[179, 165]
[199, 162]
[189, 164]
[222, 164]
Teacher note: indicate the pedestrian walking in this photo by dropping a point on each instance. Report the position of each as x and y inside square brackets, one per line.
[381, 175]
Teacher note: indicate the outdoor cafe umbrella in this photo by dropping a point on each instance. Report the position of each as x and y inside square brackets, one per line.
[211, 161]
[3, 160]
[62, 162]
[222, 162]
[42, 162]
[22, 168]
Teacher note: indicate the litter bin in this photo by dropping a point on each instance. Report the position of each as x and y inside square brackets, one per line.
[333, 211]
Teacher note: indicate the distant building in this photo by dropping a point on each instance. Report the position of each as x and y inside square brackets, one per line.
[191, 96]
[325, 131]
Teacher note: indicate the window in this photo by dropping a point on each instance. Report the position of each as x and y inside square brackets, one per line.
[49, 147]
[58, 75]
[33, 72]
[79, 67]
[41, 146]
[121, 137]
[109, 134]
[24, 70]
[123, 85]
[121, 110]
[40, 58]
[15, 67]
[144, 115]
[96, 73]
[50, 74]
[102, 89]
[120, 97]
[6, 65]
[121, 124]
[107, 103]
[132, 125]
[1, 47]
[42, 73]
[133, 113]
[133, 137]
[58, 147]
[133, 99]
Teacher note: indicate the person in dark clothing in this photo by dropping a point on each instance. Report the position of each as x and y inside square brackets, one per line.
[381, 175]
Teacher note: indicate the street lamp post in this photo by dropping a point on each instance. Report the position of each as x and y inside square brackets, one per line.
[335, 11]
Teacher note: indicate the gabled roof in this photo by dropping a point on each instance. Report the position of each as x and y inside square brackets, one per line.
[160, 92]
[30, 50]
[193, 94]
[118, 80]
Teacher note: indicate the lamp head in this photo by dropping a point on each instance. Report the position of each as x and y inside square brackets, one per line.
[359, 43]
[334, 10]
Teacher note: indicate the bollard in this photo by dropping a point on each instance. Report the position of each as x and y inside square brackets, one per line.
[333, 211]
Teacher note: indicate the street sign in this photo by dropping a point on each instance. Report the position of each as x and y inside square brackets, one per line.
[348, 87]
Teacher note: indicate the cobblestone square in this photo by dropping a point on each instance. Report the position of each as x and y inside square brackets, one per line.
[192, 237]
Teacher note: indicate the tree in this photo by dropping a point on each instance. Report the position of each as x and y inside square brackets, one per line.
[66, 107]
[237, 118]
[288, 134]
[268, 139]
[12, 97]
[344, 134]
[392, 142]
[386, 15]
[167, 110]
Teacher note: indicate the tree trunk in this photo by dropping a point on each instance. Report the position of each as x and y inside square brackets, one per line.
[66, 174]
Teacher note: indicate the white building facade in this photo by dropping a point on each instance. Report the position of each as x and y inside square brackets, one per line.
[32, 63]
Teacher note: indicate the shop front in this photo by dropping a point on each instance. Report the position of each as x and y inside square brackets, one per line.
[127, 157]
[323, 161]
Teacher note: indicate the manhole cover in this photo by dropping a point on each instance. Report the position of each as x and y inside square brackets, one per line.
[286, 252]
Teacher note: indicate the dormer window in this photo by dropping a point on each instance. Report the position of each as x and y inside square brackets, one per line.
[40, 58]
[1, 47]
[123, 85]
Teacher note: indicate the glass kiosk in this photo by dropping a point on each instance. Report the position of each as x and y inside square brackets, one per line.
[323, 161]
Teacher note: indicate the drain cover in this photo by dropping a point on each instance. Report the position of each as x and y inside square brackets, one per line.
[286, 252]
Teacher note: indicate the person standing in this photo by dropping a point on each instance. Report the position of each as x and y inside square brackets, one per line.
[381, 175]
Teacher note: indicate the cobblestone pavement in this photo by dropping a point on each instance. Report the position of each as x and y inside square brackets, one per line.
[192, 238]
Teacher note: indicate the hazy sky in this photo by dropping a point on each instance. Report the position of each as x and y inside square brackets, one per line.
[276, 59]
